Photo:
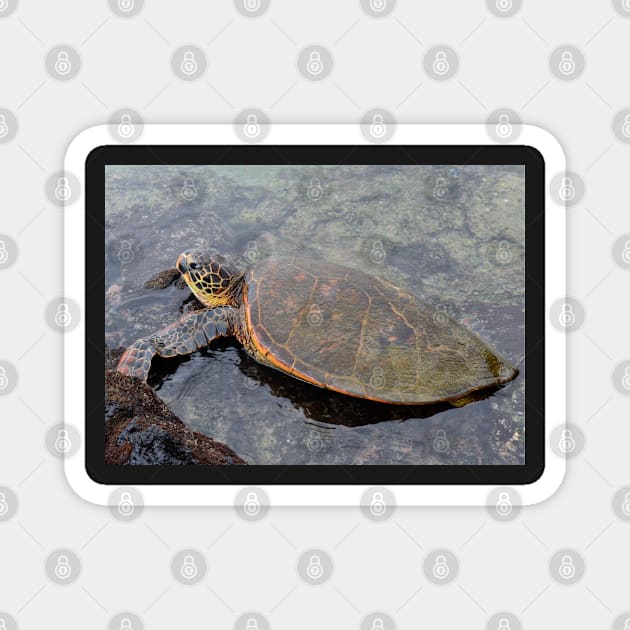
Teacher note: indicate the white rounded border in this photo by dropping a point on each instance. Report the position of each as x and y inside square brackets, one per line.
[315, 495]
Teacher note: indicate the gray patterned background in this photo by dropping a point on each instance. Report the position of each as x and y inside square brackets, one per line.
[67, 65]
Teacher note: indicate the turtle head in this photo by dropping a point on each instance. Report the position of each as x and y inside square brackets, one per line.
[213, 281]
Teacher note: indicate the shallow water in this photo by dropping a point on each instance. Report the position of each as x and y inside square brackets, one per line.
[452, 235]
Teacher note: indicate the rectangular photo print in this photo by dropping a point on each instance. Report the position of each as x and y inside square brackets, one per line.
[299, 315]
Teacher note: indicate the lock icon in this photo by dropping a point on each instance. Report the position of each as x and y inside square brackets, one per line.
[252, 5]
[440, 443]
[625, 506]
[251, 128]
[189, 191]
[567, 63]
[125, 127]
[440, 191]
[4, 506]
[504, 624]
[314, 64]
[251, 253]
[377, 504]
[315, 316]
[4, 128]
[63, 190]
[378, 128]
[377, 252]
[189, 64]
[189, 569]
[504, 505]
[126, 5]
[626, 625]
[3, 623]
[625, 128]
[625, 254]
[4, 254]
[626, 7]
[4, 379]
[567, 568]
[314, 570]
[567, 441]
[567, 316]
[63, 65]
[63, 318]
[125, 253]
[378, 624]
[504, 254]
[377, 5]
[63, 443]
[504, 5]
[625, 381]
[441, 569]
[125, 505]
[315, 190]
[62, 569]
[440, 63]
[252, 505]
[378, 378]
[567, 189]
[314, 442]
[504, 127]
[125, 624]
[251, 624]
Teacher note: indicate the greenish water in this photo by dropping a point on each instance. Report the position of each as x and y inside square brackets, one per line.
[452, 235]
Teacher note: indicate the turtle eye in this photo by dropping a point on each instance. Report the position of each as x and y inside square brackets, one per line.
[194, 266]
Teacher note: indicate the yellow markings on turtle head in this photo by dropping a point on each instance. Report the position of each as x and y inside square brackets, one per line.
[209, 277]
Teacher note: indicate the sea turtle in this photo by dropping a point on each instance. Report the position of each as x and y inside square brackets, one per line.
[331, 326]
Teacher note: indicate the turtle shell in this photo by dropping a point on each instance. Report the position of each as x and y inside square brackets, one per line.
[350, 332]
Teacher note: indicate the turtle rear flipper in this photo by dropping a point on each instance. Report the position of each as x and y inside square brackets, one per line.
[192, 332]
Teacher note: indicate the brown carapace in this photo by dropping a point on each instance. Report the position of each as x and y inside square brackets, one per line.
[332, 326]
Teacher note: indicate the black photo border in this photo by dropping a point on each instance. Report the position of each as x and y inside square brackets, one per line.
[332, 475]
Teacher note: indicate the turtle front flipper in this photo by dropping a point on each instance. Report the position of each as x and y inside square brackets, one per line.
[192, 332]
